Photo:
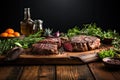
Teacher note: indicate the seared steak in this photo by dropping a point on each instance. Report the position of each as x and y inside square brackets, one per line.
[76, 43]
[52, 40]
[84, 43]
[47, 46]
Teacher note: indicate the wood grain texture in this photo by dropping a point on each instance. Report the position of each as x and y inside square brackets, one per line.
[91, 71]
[76, 72]
[30, 73]
[103, 73]
[47, 72]
[116, 74]
[10, 72]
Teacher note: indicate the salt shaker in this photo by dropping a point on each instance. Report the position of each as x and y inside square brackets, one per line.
[38, 25]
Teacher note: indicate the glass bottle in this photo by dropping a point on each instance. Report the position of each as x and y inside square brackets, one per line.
[27, 23]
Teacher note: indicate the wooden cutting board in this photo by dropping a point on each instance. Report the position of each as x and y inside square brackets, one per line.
[65, 58]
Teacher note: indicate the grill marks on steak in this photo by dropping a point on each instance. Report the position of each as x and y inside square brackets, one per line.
[92, 42]
[46, 46]
[76, 43]
[85, 43]
[52, 41]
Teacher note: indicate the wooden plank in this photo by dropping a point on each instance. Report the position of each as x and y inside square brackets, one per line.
[47, 72]
[116, 73]
[101, 72]
[10, 73]
[30, 73]
[5, 72]
[38, 73]
[55, 59]
[76, 72]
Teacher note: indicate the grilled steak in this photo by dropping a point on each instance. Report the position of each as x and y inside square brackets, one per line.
[47, 46]
[76, 43]
[52, 40]
[84, 43]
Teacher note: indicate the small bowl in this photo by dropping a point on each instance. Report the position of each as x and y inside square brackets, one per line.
[111, 62]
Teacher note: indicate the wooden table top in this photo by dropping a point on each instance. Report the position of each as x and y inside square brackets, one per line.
[60, 67]
[91, 71]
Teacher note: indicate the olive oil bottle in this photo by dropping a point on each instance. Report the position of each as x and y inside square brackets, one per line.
[26, 25]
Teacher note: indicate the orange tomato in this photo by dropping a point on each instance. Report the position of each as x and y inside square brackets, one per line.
[9, 31]
[11, 35]
[16, 34]
[4, 34]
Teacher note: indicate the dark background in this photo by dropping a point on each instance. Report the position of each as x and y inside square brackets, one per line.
[61, 14]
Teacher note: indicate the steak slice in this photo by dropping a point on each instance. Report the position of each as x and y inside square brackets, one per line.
[52, 41]
[84, 43]
[47, 46]
[92, 42]
[44, 48]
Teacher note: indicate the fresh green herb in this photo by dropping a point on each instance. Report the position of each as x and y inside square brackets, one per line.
[24, 43]
[109, 34]
[107, 53]
[116, 44]
[74, 31]
[48, 32]
[91, 29]
[28, 41]
[6, 45]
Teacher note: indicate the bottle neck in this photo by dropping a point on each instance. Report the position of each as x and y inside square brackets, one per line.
[27, 14]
